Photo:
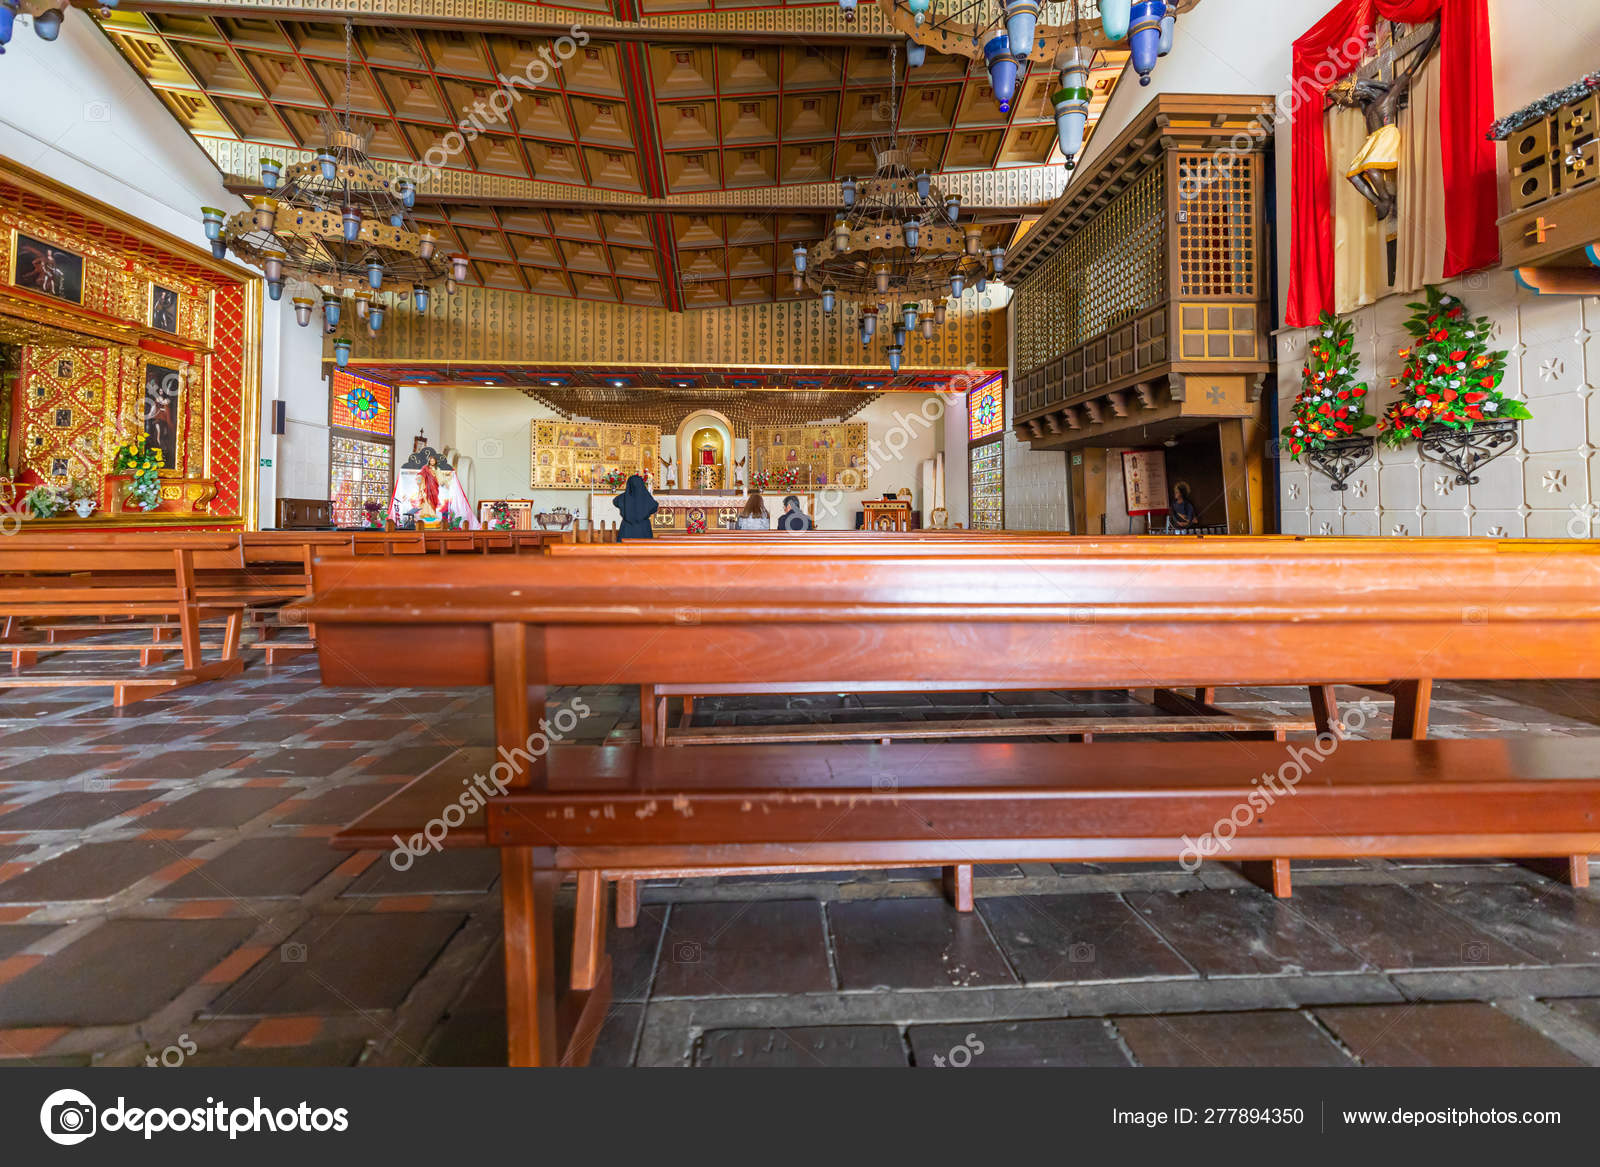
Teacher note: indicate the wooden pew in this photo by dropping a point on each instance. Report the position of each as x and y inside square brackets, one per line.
[1209, 617]
[100, 590]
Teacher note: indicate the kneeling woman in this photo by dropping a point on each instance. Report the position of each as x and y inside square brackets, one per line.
[637, 504]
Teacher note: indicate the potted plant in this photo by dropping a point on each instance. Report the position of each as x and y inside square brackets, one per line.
[82, 495]
[1330, 410]
[135, 456]
[1450, 399]
[42, 502]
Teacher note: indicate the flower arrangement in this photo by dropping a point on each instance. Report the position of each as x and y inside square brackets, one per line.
[373, 511]
[500, 516]
[43, 502]
[779, 478]
[1331, 404]
[82, 497]
[1450, 378]
[136, 456]
[617, 479]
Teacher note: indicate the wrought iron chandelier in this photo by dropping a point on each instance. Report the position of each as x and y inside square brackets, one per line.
[338, 226]
[897, 241]
[47, 16]
[1009, 35]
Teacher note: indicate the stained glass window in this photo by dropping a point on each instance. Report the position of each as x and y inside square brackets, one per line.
[986, 409]
[359, 472]
[987, 483]
[367, 406]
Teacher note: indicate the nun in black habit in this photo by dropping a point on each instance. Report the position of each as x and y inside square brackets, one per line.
[637, 505]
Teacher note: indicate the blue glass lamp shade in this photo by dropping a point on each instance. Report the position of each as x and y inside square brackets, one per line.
[916, 54]
[330, 311]
[48, 24]
[1071, 103]
[895, 352]
[341, 352]
[1022, 17]
[1115, 16]
[420, 296]
[919, 9]
[329, 164]
[375, 275]
[8, 20]
[829, 299]
[1144, 36]
[1002, 68]
[271, 172]
[352, 225]
[1169, 28]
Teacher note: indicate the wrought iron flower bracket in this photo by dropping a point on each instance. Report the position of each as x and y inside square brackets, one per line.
[1340, 459]
[1465, 451]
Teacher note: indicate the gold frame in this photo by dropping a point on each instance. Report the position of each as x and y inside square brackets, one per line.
[16, 265]
[150, 309]
[141, 384]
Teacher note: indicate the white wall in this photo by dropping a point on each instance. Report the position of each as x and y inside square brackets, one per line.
[75, 111]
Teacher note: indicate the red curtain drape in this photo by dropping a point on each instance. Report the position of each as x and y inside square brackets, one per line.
[1331, 50]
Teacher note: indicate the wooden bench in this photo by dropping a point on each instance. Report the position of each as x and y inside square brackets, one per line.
[79, 592]
[1198, 615]
[757, 808]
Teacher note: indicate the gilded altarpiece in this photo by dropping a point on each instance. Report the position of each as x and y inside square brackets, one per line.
[577, 454]
[825, 455]
[121, 358]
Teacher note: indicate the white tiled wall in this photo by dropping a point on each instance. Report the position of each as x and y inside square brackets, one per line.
[1548, 487]
[1036, 488]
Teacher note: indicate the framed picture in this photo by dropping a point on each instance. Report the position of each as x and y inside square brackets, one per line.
[1144, 481]
[163, 309]
[47, 268]
[163, 411]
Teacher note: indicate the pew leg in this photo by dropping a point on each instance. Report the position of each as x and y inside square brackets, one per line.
[230, 637]
[23, 659]
[687, 718]
[658, 713]
[589, 932]
[1572, 870]
[1325, 708]
[958, 886]
[528, 894]
[627, 902]
[1269, 875]
[154, 656]
[647, 716]
[1411, 701]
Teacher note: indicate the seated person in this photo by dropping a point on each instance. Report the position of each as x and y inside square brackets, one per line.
[1184, 514]
[754, 516]
[793, 518]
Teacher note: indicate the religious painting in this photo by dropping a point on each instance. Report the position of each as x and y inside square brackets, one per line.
[818, 455]
[1144, 481]
[64, 419]
[578, 455]
[47, 268]
[163, 309]
[163, 387]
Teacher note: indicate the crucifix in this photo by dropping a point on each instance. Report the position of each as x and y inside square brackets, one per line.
[1380, 87]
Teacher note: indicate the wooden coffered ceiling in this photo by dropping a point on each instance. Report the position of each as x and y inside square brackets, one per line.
[674, 160]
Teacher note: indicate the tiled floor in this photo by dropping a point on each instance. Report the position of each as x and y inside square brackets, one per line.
[167, 893]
